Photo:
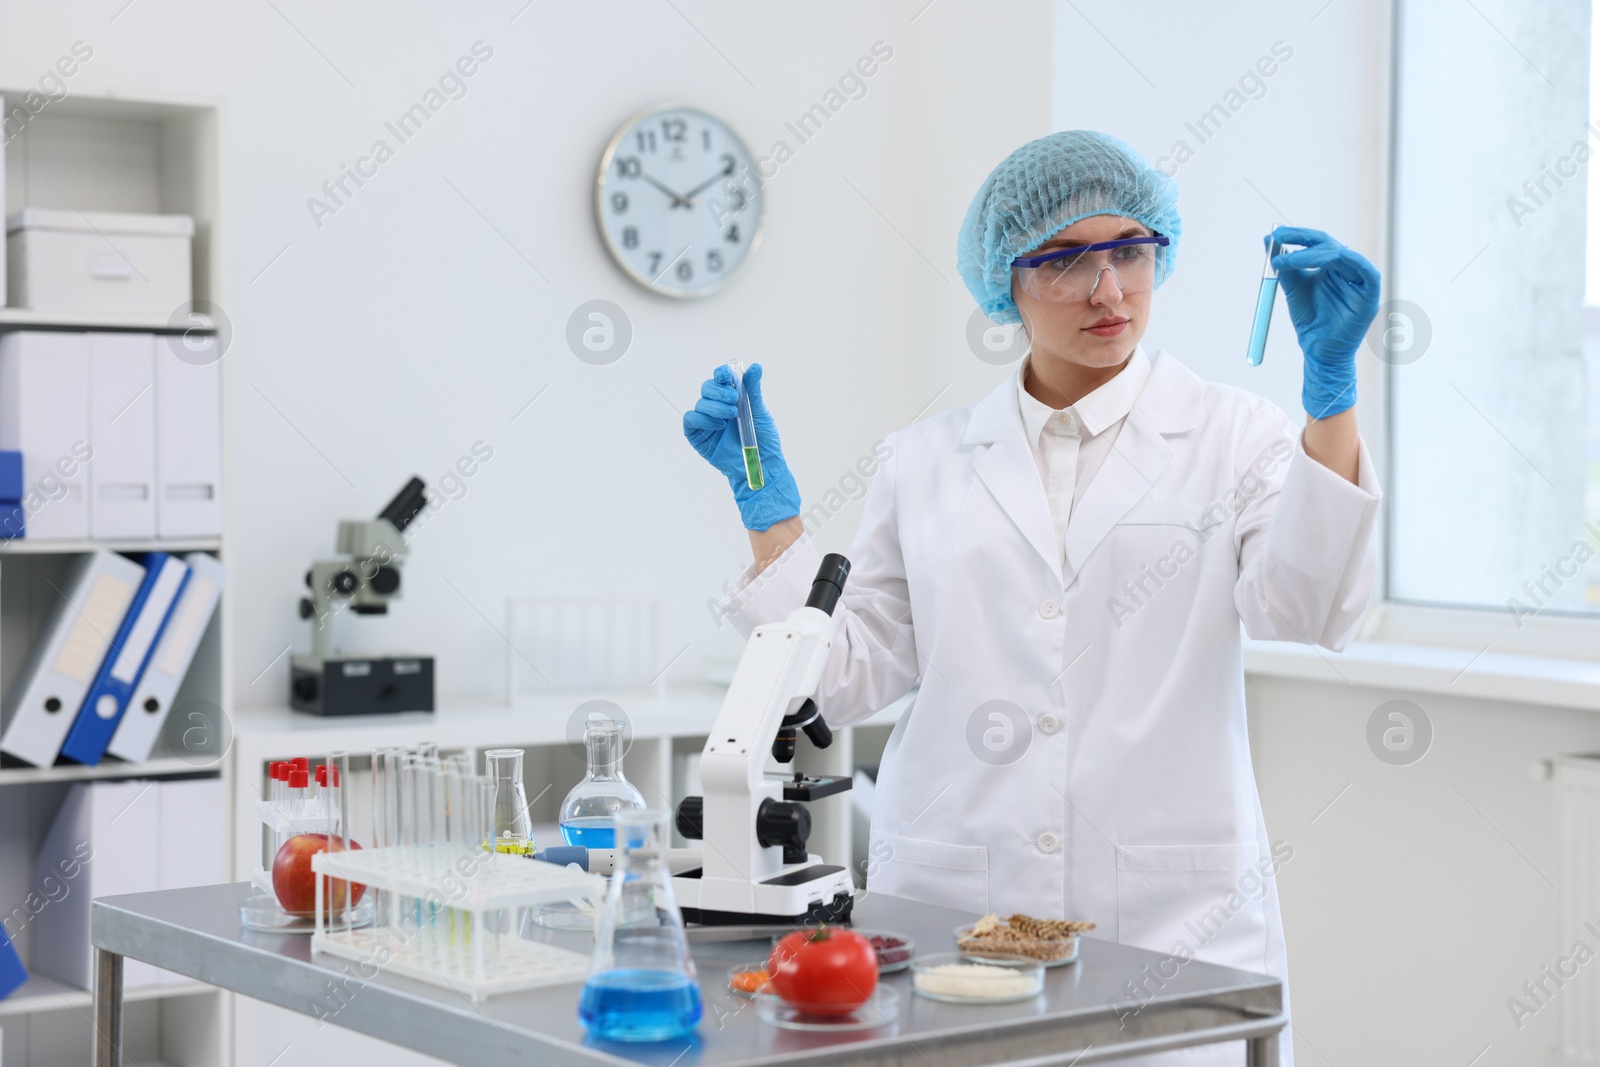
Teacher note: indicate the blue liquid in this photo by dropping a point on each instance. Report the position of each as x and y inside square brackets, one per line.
[639, 1005]
[1258, 332]
[594, 832]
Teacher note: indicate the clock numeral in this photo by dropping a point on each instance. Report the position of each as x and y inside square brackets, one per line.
[713, 260]
[728, 163]
[685, 272]
[655, 264]
[673, 129]
[647, 140]
[619, 202]
[628, 167]
[705, 139]
[630, 237]
[737, 200]
[732, 236]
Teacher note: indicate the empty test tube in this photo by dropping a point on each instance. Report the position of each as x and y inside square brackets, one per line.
[747, 429]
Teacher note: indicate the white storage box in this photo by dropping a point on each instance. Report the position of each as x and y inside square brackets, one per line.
[98, 261]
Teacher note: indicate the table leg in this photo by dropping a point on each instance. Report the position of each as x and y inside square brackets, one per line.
[1261, 1051]
[107, 1008]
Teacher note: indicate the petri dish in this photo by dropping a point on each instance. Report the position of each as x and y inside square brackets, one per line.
[880, 1009]
[967, 978]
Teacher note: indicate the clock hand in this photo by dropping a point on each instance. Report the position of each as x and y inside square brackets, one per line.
[696, 190]
[676, 199]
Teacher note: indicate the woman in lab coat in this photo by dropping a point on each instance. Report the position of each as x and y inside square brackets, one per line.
[1064, 565]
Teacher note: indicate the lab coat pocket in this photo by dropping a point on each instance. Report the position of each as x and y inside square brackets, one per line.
[933, 872]
[1154, 511]
[1204, 901]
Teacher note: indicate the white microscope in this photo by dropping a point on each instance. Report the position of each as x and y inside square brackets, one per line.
[754, 825]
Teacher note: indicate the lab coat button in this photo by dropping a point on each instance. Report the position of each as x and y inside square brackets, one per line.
[1049, 842]
[1049, 724]
[1049, 609]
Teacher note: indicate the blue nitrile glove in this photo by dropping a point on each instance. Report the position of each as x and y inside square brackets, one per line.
[713, 429]
[1332, 293]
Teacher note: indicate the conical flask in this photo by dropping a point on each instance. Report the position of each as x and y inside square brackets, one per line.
[511, 824]
[587, 811]
[641, 984]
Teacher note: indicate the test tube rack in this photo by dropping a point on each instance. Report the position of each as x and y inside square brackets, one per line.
[278, 826]
[448, 917]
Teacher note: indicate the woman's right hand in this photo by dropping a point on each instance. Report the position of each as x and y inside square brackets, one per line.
[712, 428]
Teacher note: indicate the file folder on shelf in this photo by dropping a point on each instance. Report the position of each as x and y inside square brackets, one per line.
[141, 724]
[122, 432]
[188, 446]
[44, 414]
[130, 650]
[12, 973]
[67, 654]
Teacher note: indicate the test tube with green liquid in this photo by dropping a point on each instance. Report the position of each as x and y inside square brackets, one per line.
[1265, 297]
[747, 429]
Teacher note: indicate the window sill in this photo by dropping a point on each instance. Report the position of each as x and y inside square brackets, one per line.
[1486, 675]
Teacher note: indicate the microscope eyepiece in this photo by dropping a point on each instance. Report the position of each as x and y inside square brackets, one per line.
[829, 582]
[406, 504]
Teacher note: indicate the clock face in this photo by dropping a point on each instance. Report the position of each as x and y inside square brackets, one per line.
[678, 201]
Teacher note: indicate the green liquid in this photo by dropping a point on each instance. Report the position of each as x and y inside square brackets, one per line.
[752, 468]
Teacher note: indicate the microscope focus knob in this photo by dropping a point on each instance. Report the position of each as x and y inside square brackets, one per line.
[691, 817]
[344, 583]
[307, 609]
[783, 822]
[386, 579]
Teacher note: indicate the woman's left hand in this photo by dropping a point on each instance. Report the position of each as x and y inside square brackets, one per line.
[1332, 293]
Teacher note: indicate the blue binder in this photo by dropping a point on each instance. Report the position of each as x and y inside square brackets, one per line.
[12, 973]
[124, 664]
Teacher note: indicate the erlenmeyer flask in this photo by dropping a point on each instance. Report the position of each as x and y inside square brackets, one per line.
[587, 811]
[641, 984]
[511, 824]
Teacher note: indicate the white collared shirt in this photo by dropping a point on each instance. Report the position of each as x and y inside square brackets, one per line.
[1070, 444]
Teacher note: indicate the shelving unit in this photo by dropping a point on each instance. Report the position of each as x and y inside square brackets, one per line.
[32, 319]
[106, 155]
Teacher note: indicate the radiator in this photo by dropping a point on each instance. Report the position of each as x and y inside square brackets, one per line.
[1577, 782]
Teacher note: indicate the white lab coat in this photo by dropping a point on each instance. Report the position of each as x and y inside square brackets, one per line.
[1119, 787]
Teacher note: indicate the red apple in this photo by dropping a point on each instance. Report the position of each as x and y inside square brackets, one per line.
[294, 883]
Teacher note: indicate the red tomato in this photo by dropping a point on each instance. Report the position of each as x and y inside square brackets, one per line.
[826, 971]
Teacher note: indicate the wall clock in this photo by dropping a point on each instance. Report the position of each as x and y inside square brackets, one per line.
[678, 201]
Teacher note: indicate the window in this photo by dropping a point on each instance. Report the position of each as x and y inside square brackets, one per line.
[1493, 316]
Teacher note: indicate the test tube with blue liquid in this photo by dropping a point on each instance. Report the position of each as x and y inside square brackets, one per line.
[1265, 298]
[747, 429]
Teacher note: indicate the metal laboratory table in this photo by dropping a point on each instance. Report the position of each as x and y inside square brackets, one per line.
[196, 932]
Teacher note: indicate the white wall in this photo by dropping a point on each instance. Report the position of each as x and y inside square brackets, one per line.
[403, 330]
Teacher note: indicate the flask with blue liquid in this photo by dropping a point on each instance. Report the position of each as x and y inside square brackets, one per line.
[586, 813]
[641, 984]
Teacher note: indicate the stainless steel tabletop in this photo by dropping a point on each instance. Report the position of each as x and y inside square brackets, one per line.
[1086, 1013]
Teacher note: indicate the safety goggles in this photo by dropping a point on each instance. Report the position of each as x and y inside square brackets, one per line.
[1074, 273]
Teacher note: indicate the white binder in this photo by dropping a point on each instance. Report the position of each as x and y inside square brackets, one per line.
[4, 137]
[122, 432]
[67, 654]
[141, 724]
[105, 840]
[188, 445]
[44, 414]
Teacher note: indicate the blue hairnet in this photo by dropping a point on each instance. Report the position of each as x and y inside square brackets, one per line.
[1044, 187]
